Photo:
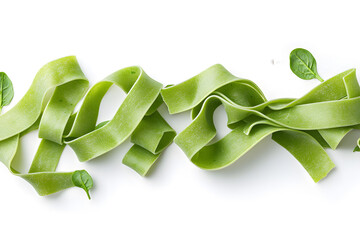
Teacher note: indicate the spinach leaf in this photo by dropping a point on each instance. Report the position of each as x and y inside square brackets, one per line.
[6, 90]
[82, 179]
[356, 149]
[303, 64]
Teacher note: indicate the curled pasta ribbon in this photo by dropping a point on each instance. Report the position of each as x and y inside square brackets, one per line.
[319, 119]
[150, 134]
[58, 126]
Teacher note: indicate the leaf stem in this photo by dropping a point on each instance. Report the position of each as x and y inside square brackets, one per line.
[88, 194]
[319, 78]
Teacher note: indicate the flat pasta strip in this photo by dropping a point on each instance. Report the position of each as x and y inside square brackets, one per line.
[320, 119]
[59, 126]
[252, 118]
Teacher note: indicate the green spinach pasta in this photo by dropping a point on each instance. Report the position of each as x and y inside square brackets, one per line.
[304, 126]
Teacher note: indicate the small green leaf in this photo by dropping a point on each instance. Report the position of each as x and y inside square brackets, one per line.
[6, 90]
[357, 149]
[303, 64]
[100, 125]
[82, 179]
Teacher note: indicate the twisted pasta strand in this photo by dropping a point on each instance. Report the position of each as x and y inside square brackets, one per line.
[58, 126]
[319, 119]
[310, 122]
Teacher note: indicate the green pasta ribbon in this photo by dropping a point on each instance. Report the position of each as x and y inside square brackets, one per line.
[304, 126]
[319, 119]
[59, 126]
[68, 85]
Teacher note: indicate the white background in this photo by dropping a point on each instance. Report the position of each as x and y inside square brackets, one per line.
[264, 195]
